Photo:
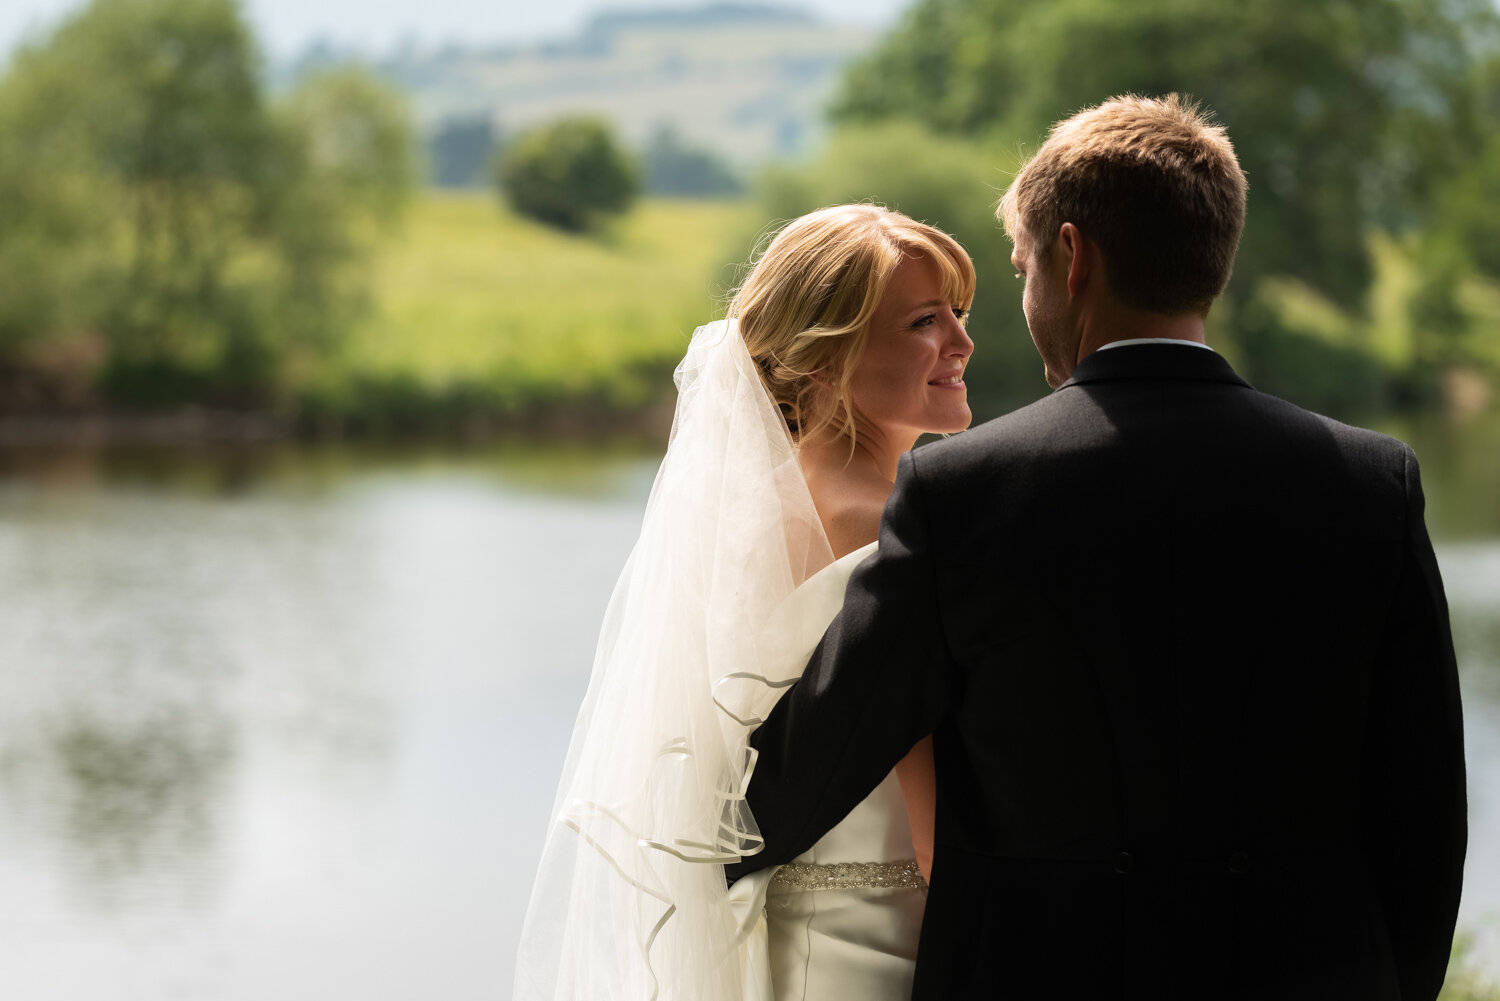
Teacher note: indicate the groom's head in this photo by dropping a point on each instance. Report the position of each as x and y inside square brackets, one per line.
[1153, 184]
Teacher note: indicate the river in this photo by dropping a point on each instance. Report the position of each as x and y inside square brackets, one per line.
[285, 723]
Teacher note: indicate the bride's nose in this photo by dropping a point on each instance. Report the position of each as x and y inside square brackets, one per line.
[959, 341]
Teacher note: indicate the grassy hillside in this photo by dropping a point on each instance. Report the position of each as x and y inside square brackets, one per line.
[478, 311]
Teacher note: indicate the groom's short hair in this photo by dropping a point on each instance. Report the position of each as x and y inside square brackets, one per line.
[1154, 183]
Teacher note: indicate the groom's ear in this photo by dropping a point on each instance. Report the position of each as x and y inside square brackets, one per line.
[1079, 254]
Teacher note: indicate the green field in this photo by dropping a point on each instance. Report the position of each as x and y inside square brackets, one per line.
[477, 309]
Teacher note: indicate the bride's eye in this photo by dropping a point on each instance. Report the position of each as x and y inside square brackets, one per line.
[962, 313]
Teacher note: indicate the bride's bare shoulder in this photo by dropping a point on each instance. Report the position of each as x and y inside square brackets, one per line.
[849, 506]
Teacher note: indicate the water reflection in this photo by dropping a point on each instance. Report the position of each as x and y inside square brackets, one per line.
[1460, 471]
[1471, 575]
[568, 467]
[286, 723]
[136, 806]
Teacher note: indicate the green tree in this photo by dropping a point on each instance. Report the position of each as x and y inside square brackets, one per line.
[1462, 240]
[129, 128]
[343, 168]
[570, 174]
[157, 203]
[358, 140]
[1349, 116]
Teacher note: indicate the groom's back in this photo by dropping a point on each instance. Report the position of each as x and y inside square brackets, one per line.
[1167, 596]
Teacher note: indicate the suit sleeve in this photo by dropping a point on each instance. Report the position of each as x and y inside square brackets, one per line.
[877, 683]
[1416, 813]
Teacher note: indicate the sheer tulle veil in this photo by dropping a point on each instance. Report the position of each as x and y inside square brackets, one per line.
[629, 901]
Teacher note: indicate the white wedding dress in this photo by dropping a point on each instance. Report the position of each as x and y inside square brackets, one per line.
[841, 922]
[729, 588]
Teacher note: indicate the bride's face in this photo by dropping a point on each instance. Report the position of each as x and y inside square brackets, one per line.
[909, 379]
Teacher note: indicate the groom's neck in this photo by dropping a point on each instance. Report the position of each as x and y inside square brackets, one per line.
[1113, 321]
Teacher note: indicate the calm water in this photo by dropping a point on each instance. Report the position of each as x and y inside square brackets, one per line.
[286, 725]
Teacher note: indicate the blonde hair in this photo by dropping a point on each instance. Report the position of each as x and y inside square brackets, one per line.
[1154, 183]
[804, 310]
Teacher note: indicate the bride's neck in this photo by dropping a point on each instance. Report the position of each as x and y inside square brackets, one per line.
[849, 483]
[869, 454]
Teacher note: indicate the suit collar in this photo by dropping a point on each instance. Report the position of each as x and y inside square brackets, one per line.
[1154, 361]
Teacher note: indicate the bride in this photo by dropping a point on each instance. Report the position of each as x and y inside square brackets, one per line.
[845, 342]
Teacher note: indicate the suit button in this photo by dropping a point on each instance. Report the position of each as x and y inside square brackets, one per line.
[1124, 862]
[1239, 863]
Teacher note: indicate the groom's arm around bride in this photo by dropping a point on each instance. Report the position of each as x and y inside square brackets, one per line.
[1182, 646]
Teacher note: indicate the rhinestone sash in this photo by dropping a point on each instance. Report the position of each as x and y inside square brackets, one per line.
[846, 876]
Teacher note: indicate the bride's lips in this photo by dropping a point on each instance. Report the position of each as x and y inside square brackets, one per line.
[954, 381]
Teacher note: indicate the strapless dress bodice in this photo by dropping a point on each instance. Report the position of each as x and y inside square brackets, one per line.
[841, 921]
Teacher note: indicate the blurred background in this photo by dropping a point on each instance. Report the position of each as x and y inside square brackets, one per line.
[336, 345]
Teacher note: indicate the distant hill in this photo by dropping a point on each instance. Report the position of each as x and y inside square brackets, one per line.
[746, 82]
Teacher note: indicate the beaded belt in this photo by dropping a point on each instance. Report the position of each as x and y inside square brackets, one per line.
[846, 875]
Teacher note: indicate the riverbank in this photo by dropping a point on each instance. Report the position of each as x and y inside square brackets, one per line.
[197, 426]
[478, 323]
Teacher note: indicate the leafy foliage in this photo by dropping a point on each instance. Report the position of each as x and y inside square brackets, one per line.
[570, 174]
[1467, 979]
[1349, 117]
[156, 204]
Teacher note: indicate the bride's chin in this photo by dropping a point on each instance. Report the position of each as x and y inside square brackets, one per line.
[950, 412]
[960, 422]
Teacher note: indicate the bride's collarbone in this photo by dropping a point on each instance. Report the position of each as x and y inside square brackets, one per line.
[850, 512]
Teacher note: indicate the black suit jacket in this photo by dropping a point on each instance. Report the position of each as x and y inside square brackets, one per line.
[1185, 655]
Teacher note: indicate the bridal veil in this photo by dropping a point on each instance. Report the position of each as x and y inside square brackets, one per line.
[630, 900]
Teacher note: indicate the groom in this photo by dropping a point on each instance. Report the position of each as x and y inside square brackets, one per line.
[1182, 646]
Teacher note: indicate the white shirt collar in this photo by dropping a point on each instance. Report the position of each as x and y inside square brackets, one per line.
[1152, 340]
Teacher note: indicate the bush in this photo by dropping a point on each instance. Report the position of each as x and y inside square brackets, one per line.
[570, 174]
